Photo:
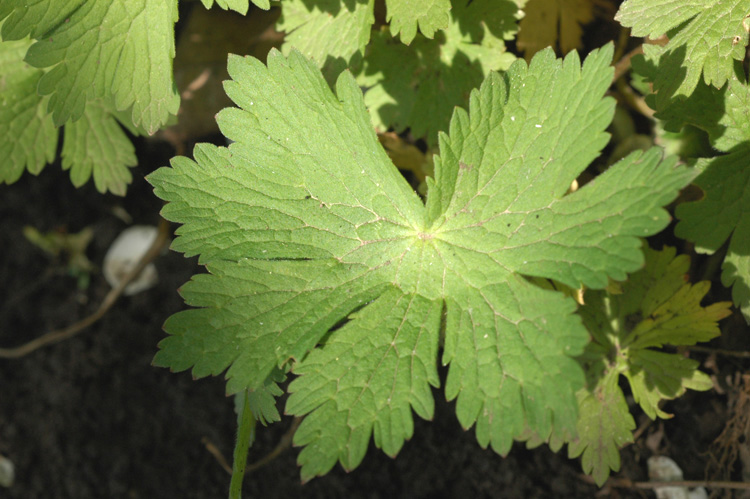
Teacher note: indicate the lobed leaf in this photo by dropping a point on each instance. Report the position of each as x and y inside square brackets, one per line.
[656, 376]
[100, 50]
[365, 381]
[654, 307]
[722, 113]
[262, 402]
[320, 255]
[721, 216]
[705, 38]
[28, 138]
[604, 427]
[553, 23]
[97, 145]
[406, 15]
[34, 18]
[240, 6]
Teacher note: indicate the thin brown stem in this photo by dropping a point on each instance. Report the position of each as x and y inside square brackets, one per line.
[622, 42]
[109, 300]
[633, 100]
[719, 351]
[214, 451]
[624, 483]
[284, 443]
[637, 433]
[623, 65]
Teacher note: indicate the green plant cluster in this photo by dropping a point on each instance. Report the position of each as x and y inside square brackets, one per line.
[327, 267]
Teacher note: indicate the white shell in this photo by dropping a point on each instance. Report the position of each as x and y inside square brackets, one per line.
[7, 472]
[125, 253]
[664, 469]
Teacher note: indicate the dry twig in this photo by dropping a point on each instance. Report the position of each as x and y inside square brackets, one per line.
[624, 483]
[284, 443]
[214, 451]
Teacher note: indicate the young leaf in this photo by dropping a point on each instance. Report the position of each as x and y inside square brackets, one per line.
[654, 307]
[405, 15]
[418, 87]
[656, 376]
[604, 427]
[100, 50]
[325, 30]
[319, 252]
[263, 401]
[705, 37]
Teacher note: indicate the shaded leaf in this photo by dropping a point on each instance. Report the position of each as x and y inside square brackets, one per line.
[100, 49]
[705, 38]
[654, 307]
[28, 137]
[418, 87]
[604, 427]
[406, 15]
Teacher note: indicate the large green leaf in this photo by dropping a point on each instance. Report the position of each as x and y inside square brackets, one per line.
[321, 255]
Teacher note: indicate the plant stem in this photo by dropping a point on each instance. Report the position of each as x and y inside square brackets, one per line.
[245, 437]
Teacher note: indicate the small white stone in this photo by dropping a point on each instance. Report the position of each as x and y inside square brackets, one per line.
[7, 472]
[125, 253]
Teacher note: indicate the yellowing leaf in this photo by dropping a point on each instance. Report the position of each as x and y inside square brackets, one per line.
[555, 23]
